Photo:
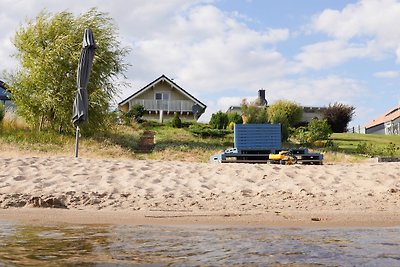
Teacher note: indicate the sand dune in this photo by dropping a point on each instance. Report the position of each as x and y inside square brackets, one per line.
[200, 188]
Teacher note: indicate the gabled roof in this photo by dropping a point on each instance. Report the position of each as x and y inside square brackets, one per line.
[163, 78]
[393, 114]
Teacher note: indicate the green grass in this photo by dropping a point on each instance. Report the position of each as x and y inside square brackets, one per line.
[180, 144]
[172, 144]
[367, 144]
[118, 142]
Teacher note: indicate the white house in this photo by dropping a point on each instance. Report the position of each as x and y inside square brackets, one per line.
[388, 123]
[309, 113]
[162, 98]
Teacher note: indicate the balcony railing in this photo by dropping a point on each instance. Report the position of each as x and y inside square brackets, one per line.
[165, 105]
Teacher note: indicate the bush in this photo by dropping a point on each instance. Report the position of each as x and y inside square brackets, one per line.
[390, 149]
[204, 132]
[176, 121]
[319, 130]
[338, 116]
[315, 131]
[233, 117]
[219, 120]
[135, 113]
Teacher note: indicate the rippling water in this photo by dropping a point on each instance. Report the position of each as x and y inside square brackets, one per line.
[29, 245]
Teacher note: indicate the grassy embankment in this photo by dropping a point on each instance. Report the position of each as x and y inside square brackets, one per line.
[171, 144]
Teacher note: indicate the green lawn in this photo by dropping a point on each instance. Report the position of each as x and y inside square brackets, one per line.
[180, 144]
[171, 144]
[367, 144]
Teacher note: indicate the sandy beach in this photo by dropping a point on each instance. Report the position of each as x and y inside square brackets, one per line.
[94, 191]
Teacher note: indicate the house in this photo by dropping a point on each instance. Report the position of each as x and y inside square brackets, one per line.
[162, 98]
[261, 101]
[388, 123]
[4, 94]
[309, 113]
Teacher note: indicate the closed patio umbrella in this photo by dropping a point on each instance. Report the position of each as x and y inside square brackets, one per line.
[80, 108]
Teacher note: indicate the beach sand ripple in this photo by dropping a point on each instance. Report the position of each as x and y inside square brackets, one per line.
[166, 185]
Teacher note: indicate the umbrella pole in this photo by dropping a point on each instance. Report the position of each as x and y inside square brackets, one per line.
[77, 141]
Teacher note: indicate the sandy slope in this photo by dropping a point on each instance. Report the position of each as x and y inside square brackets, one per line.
[182, 192]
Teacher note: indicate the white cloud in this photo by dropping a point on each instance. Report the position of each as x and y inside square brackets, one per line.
[329, 53]
[208, 50]
[368, 28]
[387, 74]
[374, 18]
[316, 92]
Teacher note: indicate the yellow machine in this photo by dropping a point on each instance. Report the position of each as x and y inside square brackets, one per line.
[283, 157]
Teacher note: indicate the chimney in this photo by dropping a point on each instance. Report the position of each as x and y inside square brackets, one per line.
[261, 98]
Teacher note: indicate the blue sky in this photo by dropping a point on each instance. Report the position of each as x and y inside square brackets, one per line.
[313, 52]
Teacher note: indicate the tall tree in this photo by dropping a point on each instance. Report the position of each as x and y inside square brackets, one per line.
[253, 112]
[338, 116]
[284, 108]
[48, 50]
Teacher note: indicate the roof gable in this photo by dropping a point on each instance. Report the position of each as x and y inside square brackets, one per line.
[391, 115]
[163, 78]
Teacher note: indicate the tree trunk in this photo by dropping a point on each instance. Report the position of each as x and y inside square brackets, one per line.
[41, 122]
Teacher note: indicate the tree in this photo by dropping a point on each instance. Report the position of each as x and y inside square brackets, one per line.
[219, 120]
[281, 117]
[136, 112]
[176, 121]
[253, 113]
[48, 49]
[290, 110]
[338, 116]
[235, 118]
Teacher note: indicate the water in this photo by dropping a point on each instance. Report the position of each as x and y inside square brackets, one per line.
[80, 245]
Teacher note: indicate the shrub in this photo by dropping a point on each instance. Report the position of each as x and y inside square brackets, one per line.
[233, 117]
[319, 130]
[219, 120]
[204, 132]
[338, 116]
[176, 121]
[301, 135]
[135, 113]
[390, 149]
[315, 131]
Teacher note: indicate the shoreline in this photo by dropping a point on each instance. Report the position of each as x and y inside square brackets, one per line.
[48, 216]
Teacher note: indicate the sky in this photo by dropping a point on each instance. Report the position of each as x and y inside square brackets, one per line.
[314, 52]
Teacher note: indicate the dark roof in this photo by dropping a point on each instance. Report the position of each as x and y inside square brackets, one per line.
[162, 77]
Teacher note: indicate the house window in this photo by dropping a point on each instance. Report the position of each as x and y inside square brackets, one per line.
[162, 96]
